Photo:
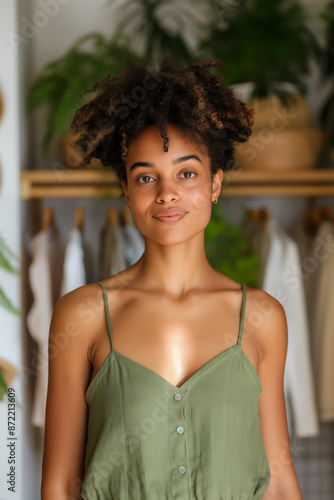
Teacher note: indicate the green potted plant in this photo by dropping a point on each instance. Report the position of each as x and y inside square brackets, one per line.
[327, 59]
[7, 258]
[263, 43]
[158, 27]
[267, 47]
[61, 84]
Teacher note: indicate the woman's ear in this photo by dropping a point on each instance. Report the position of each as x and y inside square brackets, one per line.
[125, 189]
[217, 184]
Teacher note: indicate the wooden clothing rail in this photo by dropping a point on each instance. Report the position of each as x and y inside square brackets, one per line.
[100, 183]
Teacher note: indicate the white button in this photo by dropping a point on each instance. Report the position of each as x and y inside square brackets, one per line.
[182, 469]
[180, 430]
[177, 396]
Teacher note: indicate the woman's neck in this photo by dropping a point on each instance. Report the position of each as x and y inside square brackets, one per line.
[174, 269]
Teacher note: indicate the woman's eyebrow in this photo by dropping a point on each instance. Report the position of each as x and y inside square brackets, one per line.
[141, 164]
[175, 162]
[186, 158]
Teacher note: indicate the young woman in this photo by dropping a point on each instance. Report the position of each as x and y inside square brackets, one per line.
[166, 380]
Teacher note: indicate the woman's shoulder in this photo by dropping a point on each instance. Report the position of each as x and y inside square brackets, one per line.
[77, 314]
[261, 307]
[86, 303]
[265, 317]
[76, 298]
[267, 306]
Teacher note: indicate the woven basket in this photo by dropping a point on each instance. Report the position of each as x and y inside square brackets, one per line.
[71, 156]
[292, 148]
[272, 113]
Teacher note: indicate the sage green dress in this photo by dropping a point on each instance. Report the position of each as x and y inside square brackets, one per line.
[150, 440]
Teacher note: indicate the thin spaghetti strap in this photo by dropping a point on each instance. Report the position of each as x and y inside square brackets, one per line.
[106, 306]
[244, 293]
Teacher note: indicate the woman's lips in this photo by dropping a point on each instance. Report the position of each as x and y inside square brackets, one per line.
[170, 216]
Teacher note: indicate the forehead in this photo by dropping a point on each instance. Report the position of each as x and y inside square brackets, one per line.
[150, 142]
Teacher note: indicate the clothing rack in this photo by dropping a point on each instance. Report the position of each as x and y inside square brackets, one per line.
[100, 183]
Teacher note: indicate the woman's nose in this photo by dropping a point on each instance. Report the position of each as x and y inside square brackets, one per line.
[167, 192]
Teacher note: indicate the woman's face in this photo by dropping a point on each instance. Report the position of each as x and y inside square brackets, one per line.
[171, 192]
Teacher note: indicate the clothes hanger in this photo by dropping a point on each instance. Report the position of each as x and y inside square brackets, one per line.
[327, 213]
[48, 218]
[112, 216]
[79, 216]
[263, 216]
[127, 217]
[312, 219]
[260, 216]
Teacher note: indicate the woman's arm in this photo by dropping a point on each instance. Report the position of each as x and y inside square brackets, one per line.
[283, 483]
[66, 409]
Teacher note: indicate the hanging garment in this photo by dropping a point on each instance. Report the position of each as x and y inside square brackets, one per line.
[44, 276]
[322, 326]
[74, 274]
[133, 244]
[282, 279]
[309, 254]
[148, 439]
[309, 266]
[113, 259]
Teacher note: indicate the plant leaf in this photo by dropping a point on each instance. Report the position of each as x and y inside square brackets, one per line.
[6, 303]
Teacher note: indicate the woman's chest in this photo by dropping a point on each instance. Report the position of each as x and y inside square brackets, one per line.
[172, 339]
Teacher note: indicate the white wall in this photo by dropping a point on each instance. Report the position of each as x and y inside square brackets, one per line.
[10, 331]
[73, 19]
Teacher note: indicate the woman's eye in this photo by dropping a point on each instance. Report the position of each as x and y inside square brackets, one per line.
[188, 175]
[144, 179]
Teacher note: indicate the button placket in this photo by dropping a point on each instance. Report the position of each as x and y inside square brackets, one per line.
[178, 446]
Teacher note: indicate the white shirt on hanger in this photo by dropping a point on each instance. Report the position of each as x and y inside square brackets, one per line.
[74, 274]
[282, 279]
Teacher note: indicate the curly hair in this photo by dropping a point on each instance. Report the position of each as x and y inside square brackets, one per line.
[189, 97]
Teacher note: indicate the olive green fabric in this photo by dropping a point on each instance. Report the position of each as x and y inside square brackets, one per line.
[150, 440]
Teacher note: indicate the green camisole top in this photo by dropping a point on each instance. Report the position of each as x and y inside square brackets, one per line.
[148, 439]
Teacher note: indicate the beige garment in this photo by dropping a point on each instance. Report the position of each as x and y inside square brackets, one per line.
[112, 251]
[44, 276]
[323, 322]
[134, 245]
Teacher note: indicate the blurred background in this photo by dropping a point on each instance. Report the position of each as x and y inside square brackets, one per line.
[272, 228]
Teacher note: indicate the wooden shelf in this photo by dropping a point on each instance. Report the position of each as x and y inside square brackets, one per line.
[298, 182]
[96, 183]
[81, 183]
